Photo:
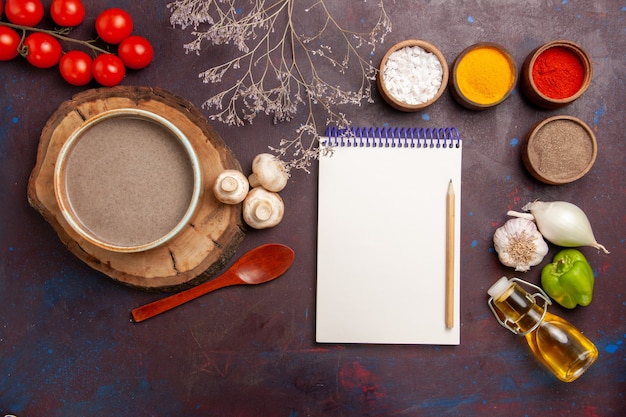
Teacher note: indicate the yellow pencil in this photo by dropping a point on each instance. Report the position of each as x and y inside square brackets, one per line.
[450, 256]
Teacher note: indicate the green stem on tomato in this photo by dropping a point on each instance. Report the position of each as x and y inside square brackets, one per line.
[59, 34]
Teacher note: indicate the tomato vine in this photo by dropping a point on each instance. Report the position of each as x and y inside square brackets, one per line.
[44, 48]
[60, 34]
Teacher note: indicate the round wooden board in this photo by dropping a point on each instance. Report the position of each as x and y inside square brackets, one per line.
[205, 245]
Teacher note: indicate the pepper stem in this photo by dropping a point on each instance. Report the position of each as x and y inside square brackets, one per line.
[560, 266]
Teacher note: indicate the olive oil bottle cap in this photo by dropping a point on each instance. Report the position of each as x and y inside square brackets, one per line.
[499, 287]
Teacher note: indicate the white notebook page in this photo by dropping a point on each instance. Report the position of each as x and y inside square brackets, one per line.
[382, 245]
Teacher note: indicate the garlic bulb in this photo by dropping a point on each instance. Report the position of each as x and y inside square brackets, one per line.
[519, 244]
[561, 223]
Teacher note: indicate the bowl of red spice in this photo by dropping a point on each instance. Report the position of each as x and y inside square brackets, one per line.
[559, 150]
[556, 74]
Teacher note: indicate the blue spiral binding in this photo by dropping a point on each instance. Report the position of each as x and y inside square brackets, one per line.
[394, 137]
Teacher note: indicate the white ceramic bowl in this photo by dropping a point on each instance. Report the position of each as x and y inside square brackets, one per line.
[127, 180]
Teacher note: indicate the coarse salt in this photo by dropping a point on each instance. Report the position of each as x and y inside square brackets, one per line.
[412, 75]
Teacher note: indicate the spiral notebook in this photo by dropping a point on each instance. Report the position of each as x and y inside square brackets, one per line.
[381, 268]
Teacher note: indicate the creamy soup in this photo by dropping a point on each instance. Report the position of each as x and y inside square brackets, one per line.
[129, 181]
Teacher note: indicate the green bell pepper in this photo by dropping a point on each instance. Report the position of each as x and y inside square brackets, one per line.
[568, 280]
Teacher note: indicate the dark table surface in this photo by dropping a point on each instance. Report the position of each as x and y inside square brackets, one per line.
[69, 348]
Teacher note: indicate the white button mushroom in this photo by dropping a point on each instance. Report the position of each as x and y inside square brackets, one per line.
[262, 209]
[268, 172]
[231, 187]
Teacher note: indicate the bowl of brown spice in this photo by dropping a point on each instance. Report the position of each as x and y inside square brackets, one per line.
[559, 150]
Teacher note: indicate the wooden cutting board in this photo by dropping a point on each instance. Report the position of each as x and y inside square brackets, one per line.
[207, 242]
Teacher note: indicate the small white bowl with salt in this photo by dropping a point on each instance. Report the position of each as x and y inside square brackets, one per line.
[413, 74]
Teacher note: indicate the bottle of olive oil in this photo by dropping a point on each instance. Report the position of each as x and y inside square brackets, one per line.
[561, 347]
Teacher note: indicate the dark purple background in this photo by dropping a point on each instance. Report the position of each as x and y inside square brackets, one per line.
[68, 347]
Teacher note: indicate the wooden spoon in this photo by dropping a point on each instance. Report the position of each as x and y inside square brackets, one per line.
[261, 264]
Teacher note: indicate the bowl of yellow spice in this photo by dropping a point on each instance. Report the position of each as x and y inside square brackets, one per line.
[483, 76]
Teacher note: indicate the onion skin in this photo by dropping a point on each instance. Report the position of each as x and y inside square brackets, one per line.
[562, 223]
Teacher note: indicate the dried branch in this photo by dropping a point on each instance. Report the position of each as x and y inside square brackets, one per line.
[280, 68]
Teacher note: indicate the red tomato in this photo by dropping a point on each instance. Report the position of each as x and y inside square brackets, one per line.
[136, 52]
[44, 51]
[114, 25]
[108, 70]
[67, 12]
[76, 68]
[24, 12]
[9, 43]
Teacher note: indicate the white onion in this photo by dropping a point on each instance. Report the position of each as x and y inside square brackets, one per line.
[561, 223]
